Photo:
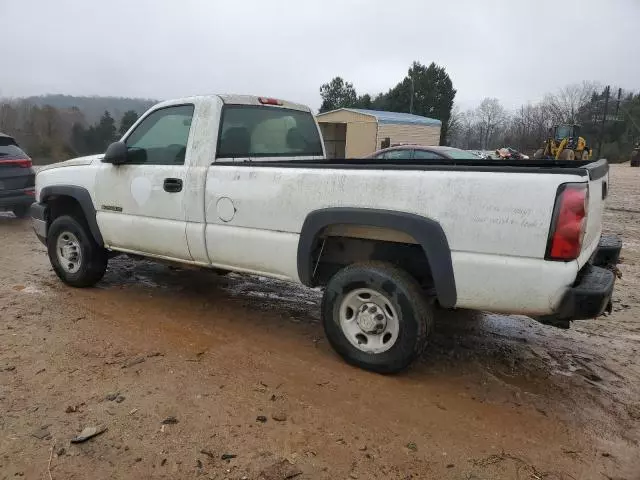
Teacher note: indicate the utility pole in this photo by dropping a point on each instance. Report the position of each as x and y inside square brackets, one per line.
[618, 104]
[604, 117]
[412, 94]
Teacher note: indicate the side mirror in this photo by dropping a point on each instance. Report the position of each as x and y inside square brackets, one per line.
[116, 154]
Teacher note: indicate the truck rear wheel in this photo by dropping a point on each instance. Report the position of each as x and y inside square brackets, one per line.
[376, 316]
[75, 256]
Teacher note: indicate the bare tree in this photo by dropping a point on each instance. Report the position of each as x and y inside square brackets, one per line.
[455, 127]
[563, 105]
[528, 127]
[468, 122]
[525, 129]
[490, 116]
[464, 134]
[8, 118]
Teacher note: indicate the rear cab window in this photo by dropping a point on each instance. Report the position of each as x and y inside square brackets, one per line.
[258, 131]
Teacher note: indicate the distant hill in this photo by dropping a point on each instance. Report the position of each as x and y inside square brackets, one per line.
[94, 107]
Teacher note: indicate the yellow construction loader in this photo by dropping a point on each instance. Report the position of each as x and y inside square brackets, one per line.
[564, 143]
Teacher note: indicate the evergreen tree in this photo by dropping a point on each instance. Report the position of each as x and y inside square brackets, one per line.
[337, 94]
[432, 92]
[128, 119]
[79, 139]
[106, 129]
[426, 91]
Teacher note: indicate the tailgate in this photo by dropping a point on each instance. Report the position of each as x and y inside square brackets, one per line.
[15, 178]
[15, 167]
[598, 191]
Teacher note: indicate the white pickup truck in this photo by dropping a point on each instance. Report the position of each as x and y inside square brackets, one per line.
[240, 183]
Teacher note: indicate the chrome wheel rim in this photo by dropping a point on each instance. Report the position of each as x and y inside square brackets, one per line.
[69, 252]
[369, 320]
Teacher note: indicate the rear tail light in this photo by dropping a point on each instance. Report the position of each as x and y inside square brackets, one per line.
[569, 222]
[17, 162]
[270, 101]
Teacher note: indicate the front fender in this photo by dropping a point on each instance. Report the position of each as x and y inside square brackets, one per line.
[83, 197]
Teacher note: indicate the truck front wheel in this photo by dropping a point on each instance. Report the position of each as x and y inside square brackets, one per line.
[376, 316]
[75, 256]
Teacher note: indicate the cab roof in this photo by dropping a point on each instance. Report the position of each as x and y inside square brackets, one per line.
[254, 100]
[232, 99]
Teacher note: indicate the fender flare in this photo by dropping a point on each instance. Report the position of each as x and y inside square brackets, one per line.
[427, 233]
[82, 196]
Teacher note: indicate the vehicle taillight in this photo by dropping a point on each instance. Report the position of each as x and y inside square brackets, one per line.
[270, 101]
[17, 162]
[569, 222]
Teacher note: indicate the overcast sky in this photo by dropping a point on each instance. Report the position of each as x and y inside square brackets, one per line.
[515, 50]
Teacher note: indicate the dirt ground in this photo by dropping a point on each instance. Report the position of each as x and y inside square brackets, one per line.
[239, 370]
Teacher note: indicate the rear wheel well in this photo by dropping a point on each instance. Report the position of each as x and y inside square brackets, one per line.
[331, 253]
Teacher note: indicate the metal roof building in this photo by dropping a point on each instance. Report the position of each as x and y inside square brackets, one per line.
[355, 132]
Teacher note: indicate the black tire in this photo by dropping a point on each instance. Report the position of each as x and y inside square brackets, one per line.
[94, 258]
[20, 211]
[414, 311]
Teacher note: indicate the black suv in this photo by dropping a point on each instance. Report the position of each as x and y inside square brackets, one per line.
[17, 178]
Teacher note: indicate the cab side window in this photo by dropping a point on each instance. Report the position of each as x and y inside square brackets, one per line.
[161, 138]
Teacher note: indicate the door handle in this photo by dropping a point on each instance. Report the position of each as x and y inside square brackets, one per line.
[172, 185]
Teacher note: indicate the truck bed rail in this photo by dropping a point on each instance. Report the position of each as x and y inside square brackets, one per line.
[594, 170]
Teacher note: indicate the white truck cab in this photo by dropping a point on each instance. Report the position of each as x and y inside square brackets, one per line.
[241, 183]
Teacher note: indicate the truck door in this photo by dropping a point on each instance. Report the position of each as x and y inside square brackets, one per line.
[140, 204]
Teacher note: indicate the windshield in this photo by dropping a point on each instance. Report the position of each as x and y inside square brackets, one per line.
[259, 131]
[563, 131]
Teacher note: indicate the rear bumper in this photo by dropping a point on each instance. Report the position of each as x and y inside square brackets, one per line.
[39, 220]
[16, 198]
[590, 295]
